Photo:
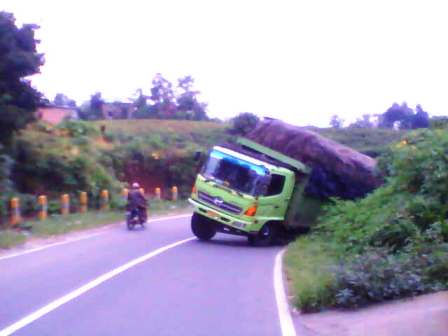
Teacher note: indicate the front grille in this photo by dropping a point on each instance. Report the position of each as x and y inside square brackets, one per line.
[232, 208]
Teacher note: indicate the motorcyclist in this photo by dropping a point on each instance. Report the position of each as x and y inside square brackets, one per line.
[136, 199]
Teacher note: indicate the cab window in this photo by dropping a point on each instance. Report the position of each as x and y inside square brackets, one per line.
[276, 185]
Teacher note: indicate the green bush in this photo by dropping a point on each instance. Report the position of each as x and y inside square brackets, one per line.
[9, 238]
[6, 184]
[243, 123]
[394, 242]
[52, 165]
[414, 197]
[376, 276]
[79, 128]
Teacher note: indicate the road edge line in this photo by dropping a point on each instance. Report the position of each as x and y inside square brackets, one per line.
[284, 314]
[85, 288]
[44, 247]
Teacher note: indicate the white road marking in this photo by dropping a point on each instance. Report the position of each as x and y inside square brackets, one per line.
[44, 247]
[284, 314]
[85, 288]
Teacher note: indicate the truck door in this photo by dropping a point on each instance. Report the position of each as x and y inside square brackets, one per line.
[275, 203]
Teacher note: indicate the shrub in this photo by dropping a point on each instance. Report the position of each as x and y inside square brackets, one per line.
[79, 128]
[394, 242]
[414, 197]
[244, 123]
[377, 275]
[9, 238]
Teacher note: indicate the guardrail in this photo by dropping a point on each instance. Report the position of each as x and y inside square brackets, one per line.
[15, 214]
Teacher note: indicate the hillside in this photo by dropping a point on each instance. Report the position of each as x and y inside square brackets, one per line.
[369, 141]
[89, 156]
[144, 126]
[156, 153]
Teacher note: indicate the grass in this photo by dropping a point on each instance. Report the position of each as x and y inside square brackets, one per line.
[309, 264]
[10, 238]
[164, 207]
[370, 141]
[147, 126]
[58, 224]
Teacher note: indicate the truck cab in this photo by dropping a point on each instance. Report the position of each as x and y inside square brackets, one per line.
[245, 189]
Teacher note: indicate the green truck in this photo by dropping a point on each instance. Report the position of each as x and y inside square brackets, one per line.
[250, 190]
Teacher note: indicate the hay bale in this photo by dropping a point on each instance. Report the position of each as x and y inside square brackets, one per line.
[337, 170]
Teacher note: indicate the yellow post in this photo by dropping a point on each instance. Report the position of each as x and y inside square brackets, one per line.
[15, 211]
[158, 193]
[125, 193]
[65, 205]
[43, 207]
[104, 199]
[174, 193]
[83, 201]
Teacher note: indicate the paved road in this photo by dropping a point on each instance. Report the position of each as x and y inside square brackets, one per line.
[222, 287]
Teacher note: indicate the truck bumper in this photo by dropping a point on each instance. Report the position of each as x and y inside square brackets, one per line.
[226, 223]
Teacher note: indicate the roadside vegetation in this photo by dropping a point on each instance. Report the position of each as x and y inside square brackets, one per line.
[389, 245]
[80, 156]
[370, 141]
[10, 238]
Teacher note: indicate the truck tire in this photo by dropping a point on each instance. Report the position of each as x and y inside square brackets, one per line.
[266, 236]
[202, 227]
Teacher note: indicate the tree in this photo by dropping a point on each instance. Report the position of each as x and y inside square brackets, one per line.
[405, 116]
[188, 106]
[401, 114]
[162, 96]
[62, 100]
[243, 123]
[18, 60]
[142, 109]
[6, 164]
[364, 122]
[92, 110]
[336, 121]
[420, 119]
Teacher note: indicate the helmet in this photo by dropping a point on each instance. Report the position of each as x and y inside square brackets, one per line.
[135, 185]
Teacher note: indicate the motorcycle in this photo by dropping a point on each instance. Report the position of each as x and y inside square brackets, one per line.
[135, 217]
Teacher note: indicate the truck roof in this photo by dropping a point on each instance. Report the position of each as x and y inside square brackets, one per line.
[260, 158]
[234, 152]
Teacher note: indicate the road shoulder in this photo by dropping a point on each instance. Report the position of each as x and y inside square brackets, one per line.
[425, 315]
[38, 243]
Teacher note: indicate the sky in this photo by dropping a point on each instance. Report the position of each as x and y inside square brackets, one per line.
[297, 60]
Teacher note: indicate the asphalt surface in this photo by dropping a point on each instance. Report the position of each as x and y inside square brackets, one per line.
[221, 287]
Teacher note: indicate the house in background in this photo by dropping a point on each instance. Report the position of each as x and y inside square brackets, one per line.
[118, 110]
[55, 114]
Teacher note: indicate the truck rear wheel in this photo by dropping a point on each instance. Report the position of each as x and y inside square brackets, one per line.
[202, 227]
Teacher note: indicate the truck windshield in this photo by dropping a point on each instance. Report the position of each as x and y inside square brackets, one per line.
[236, 173]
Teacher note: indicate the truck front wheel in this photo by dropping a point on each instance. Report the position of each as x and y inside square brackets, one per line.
[266, 236]
[202, 227]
